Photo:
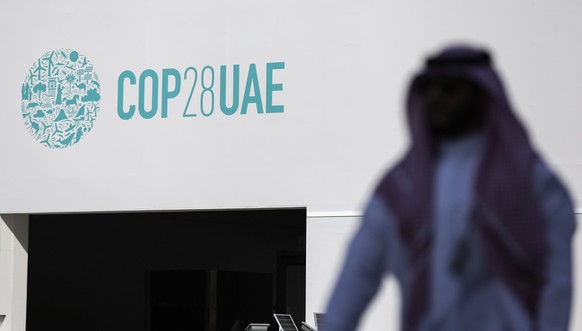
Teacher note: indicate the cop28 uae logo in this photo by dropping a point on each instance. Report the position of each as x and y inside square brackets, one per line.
[60, 98]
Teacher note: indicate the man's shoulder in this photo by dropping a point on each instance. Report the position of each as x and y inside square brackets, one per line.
[377, 207]
[546, 181]
[551, 193]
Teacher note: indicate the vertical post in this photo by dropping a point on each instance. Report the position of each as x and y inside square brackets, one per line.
[211, 299]
[13, 270]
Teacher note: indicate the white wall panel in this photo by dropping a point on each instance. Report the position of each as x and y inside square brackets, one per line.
[346, 67]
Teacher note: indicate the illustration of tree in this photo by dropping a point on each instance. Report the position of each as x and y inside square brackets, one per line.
[39, 88]
[70, 79]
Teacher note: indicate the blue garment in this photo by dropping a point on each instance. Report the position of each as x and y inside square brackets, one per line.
[474, 299]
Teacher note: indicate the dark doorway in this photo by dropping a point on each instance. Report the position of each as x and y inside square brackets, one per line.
[165, 271]
[208, 300]
[177, 300]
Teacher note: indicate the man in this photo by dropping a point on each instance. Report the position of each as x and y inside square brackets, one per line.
[473, 224]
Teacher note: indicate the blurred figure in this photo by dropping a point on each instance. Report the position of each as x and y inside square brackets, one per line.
[473, 224]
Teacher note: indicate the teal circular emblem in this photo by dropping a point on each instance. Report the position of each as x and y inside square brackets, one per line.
[60, 98]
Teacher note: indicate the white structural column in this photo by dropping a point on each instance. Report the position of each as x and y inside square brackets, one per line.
[328, 237]
[13, 271]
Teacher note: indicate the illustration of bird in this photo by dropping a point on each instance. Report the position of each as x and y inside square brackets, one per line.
[70, 128]
[34, 125]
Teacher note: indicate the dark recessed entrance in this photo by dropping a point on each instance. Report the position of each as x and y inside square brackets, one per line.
[165, 271]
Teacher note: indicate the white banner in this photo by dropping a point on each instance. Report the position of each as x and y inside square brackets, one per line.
[157, 105]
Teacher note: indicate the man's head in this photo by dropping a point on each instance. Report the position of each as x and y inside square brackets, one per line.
[454, 105]
[451, 92]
